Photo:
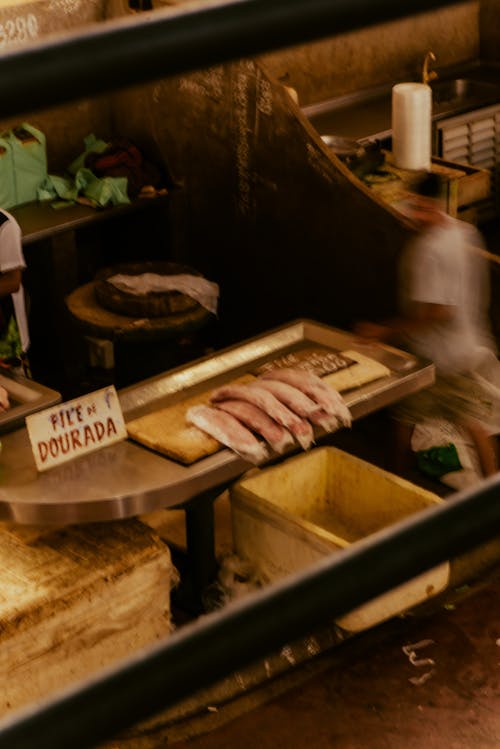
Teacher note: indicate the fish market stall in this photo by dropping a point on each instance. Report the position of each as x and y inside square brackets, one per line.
[130, 477]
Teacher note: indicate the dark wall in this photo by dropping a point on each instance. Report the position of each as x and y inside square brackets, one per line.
[271, 215]
[266, 211]
[490, 29]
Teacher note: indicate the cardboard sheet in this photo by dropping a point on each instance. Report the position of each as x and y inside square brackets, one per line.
[168, 432]
[364, 371]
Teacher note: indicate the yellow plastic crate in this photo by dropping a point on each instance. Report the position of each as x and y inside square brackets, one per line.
[288, 516]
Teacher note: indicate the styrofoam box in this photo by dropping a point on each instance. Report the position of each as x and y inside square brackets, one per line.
[289, 515]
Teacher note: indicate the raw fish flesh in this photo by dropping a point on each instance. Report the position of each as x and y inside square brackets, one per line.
[301, 404]
[296, 400]
[299, 427]
[312, 385]
[324, 420]
[228, 431]
[258, 421]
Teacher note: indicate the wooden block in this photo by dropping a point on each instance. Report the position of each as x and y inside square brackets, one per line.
[74, 600]
[168, 432]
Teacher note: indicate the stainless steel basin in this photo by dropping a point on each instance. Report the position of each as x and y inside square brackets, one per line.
[367, 114]
[463, 92]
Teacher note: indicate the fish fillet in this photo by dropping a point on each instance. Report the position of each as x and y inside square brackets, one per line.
[296, 400]
[299, 427]
[312, 385]
[301, 404]
[258, 421]
[228, 431]
[324, 420]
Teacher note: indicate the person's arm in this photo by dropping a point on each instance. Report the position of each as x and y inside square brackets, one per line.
[422, 316]
[10, 281]
[428, 276]
[4, 399]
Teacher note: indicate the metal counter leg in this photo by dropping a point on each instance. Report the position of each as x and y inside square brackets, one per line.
[200, 567]
[200, 538]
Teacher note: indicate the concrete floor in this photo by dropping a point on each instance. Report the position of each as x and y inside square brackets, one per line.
[364, 693]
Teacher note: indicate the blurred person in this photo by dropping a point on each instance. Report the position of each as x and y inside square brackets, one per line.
[14, 335]
[443, 317]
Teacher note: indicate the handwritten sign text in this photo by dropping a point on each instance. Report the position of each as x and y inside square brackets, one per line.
[71, 429]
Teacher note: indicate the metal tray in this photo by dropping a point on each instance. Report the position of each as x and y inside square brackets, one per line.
[126, 479]
[26, 396]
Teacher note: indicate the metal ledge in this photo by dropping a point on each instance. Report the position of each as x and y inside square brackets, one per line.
[26, 396]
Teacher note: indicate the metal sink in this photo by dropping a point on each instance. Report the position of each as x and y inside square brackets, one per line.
[463, 93]
[367, 114]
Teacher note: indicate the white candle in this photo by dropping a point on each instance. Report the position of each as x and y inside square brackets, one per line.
[412, 125]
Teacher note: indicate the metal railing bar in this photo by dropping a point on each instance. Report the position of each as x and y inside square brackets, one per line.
[127, 51]
[218, 644]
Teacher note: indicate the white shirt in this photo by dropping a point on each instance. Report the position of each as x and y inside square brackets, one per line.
[438, 267]
[11, 257]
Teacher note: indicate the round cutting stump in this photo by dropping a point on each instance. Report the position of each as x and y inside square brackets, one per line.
[152, 304]
[95, 320]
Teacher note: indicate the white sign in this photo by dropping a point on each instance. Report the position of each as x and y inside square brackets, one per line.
[76, 427]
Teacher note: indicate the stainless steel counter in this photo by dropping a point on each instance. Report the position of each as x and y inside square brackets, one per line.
[127, 479]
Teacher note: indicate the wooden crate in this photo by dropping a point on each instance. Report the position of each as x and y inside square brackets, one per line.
[466, 185]
[75, 600]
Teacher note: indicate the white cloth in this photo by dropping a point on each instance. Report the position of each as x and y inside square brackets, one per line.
[198, 288]
[12, 257]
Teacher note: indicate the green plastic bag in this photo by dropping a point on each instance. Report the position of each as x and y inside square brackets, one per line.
[102, 191]
[91, 145]
[58, 187]
[23, 164]
[81, 181]
[438, 461]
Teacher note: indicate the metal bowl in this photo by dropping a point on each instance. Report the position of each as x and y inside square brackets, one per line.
[344, 147]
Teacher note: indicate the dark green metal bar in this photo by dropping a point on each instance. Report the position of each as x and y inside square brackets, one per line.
[165, 42]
